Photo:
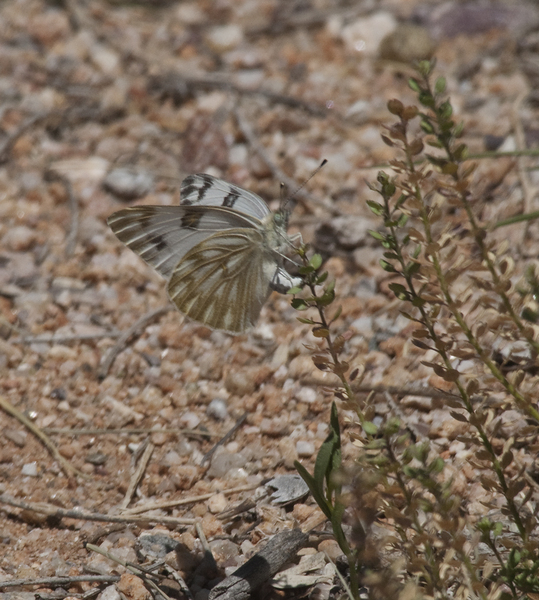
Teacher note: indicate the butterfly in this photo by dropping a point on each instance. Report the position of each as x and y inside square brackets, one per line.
[221, 250]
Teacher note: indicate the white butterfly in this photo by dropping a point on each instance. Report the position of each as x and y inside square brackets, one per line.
[220, 250]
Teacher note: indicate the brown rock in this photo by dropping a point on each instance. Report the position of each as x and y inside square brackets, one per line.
[132, 587]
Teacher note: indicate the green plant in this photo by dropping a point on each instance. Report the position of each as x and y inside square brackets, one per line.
[457, 285]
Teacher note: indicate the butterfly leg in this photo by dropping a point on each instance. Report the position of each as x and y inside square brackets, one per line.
[282, 281]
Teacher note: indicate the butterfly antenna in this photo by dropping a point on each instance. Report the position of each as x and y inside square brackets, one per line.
[287, 200]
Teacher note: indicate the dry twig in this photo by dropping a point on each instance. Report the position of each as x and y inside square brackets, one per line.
[63, 339]
[107, 361]
[140, 572]
[55, 512]
[225, 438]
[124, 431]
[9, 142]
[307, 200]
[182, 501]
[68, 468]
[60, 581]
[137, 474]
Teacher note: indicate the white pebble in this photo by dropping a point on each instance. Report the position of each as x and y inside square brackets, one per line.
[190, 420]
[217, 409]
[30, 469]
[224, 37]
[217, 503]
[304, 448]
[109, 593]
[305, 394]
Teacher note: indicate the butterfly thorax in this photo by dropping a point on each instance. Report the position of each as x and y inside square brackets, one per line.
[275, 225]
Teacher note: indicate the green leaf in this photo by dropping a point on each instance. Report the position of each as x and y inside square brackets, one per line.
[293, 291]
[399, 290]
[426, 126]
[337, 314]
[387, 266]
[375, 207]
[336, 525]
[377, 236]
[369, 428]
[403, 219]
[440, 85]
[306, 269]
[326, 299]
[445, 110]
[306, 321]
[299, 304]
[414, 85]
[321, 278]
[315, 489]
[316, 261]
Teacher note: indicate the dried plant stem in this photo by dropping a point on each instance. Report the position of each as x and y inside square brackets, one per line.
[430, 325]
[479, 236]
[68, 468]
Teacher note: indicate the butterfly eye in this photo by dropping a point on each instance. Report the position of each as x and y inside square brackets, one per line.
[280, 219]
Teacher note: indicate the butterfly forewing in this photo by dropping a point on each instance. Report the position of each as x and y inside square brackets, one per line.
[220, 250]
[203, 189]
[223, 282]
[162, 235]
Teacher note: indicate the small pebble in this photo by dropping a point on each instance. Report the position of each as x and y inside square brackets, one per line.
[306, 394]
[30, 469]
[109, 593]
[224, 37]
[217, 503]
[171, 459]
[331, 548]
[239, 383]
[190, 420]
[224, 462]
[132, 587]
[305, 449]
[127, 184]
[96, 458]
[223, 550]
[365, 34]
[19, 238]
[217, 409]
[17, 437]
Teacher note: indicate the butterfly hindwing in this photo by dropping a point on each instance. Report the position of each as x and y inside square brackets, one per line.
[223, 282]
[162, 235]
[203, 189]
[220, 250]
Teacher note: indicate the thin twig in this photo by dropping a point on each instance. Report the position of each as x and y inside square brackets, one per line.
[308, 18]
[137, 475]
[127, 430]
[107, 361]
[62, 339]
[225, 438]
[54, 511]
[71, 239]
[307, 200]
[209, 559]
[135, 569]
[380, 389]
[528, 191]
[61, 581]
[182, 501]
[396, 410]
[68, 468]
[179, 580]
[9, 142]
